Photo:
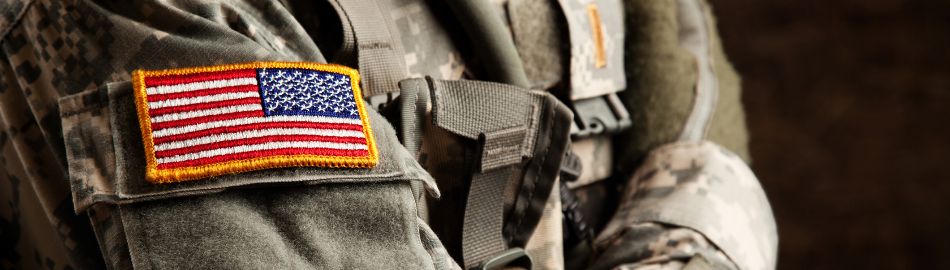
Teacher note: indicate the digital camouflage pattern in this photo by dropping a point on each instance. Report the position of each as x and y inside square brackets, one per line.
[545, 246]
[703, 187]
[596, 156]
[54, 49]
[429, 49]
[652, 245]
[588, 78]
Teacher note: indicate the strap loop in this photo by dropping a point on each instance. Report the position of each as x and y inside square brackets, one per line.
[517, 137]
[571, 167]
[380, 55]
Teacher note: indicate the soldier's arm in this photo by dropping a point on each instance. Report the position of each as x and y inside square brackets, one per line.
[73, 162]
[651, 245]
[691, 202]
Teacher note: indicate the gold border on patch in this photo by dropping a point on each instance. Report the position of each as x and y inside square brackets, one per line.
[171, 175]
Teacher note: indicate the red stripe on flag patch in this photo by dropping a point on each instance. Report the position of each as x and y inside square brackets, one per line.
[258, 126]
[206, 92]
[264, 153]
[205, 119]
[204, 106]
[198, 77]
[258, 140]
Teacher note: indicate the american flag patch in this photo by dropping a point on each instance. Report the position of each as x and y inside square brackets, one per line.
[209, 121]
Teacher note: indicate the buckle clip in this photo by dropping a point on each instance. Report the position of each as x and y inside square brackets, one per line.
[511, 256]
[571, 166]
[599, 115]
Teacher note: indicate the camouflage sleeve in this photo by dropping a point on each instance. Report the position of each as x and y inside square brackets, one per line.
[82, 52]
[652, 245]
[691, 201]
[38, 229]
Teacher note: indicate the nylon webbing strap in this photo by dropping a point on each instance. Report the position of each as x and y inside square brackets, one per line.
[415, 100]
[520, 138]
[379, 50]
[482, 235]
[497, 118]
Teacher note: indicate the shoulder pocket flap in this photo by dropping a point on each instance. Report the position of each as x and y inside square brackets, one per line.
[107, 161]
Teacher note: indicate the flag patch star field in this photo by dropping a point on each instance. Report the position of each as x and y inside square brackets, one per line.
[209, 121]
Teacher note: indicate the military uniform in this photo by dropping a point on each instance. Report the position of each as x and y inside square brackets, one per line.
[591, 133]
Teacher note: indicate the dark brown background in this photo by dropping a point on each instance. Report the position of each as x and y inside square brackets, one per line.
[848, 105]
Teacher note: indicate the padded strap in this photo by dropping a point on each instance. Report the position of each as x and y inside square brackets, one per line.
[380, 54]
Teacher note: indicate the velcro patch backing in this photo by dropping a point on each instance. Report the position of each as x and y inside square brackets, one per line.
[207, 121]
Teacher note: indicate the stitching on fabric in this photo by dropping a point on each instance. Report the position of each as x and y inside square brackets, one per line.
[156, 175]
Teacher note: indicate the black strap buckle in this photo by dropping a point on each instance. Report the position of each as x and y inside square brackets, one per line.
[512, 256]
[571, 166]
[599, 115]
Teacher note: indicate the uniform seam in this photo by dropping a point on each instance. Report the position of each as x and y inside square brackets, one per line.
[16, 21]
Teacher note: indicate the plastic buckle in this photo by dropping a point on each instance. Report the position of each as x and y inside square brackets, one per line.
[599, 115]
[508, 257]
[380, 101]
[571, 166]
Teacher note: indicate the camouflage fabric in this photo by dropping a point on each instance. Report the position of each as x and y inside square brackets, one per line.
[596, 155]
[595, 27]
[54, 49]
[67, 163]
[683, 92]
[651, 245]
[703, 187]
[429, 47]
[545, 245]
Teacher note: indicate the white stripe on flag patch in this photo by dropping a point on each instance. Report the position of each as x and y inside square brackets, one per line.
[178, 88]
[200, 99]
[263, 146]
[255, 120]
[256, 134]
[215, 111]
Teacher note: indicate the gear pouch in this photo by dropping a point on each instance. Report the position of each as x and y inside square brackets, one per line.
[293, 217]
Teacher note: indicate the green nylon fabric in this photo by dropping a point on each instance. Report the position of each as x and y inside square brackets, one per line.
[498, 106]
[379, 50]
